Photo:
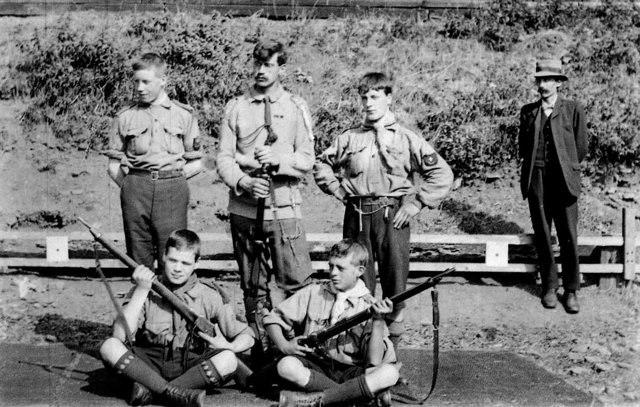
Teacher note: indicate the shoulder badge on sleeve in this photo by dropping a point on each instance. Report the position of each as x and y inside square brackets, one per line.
[225, 297]
[306, 116]
[430, 159]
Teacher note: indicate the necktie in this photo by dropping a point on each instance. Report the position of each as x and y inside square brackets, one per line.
[271, 135]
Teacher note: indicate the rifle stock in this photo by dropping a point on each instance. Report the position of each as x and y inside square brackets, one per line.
[191, 317]
[316, 339]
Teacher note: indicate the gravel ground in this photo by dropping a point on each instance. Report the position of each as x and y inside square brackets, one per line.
[597, 350]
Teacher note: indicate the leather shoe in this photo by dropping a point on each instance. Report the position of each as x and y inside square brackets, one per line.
[178, 396]
[571, 302]
[140, 395]
[549, 299]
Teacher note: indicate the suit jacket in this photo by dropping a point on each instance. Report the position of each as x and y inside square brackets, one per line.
[569, 130]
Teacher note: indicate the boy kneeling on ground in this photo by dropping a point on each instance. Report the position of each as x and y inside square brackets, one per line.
[164, 362]
[358, 364]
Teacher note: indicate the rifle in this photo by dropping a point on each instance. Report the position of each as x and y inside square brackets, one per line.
[198, 323]
[316, 339]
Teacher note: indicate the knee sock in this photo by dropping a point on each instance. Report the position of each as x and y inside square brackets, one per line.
[354, 389]
[318, 382]
[199, 376]
[135, 369]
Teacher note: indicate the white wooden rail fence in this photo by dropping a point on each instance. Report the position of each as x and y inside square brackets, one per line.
[496, 251]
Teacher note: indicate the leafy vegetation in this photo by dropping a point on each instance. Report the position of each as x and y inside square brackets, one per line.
[461, 78]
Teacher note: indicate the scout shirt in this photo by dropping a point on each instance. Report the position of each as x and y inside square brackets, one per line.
[160, 324]
[158, 136]
[242, 129]
[309, 310]
[397, 164]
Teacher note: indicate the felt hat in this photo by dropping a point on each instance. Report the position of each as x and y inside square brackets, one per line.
[550, 68]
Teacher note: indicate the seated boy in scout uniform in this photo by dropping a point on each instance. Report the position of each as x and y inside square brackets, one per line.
[160, 365]
[357, 364]
[153, 149]
[385, 174]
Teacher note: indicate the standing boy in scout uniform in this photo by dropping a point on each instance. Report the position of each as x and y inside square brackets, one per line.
[161, 363]
[153, 149]
[266, 148]
[356, 365]
[553, 141]
[385, 174]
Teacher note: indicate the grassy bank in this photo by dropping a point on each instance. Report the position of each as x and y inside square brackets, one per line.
[461, 78]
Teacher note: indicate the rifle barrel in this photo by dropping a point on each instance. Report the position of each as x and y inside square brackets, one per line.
[316, 338]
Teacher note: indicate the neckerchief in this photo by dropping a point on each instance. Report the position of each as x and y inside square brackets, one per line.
[340, 304]
[389, 122]
[181, 292]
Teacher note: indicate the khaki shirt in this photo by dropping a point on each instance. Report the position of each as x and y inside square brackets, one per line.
[242, 129]
[161, 324]
[155, 137]
[309, 310]
[358, 163]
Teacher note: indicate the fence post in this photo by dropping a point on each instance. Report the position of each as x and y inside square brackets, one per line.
[629, 243]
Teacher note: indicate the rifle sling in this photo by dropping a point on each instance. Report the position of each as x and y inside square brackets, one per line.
[436, 341]
[115, 302]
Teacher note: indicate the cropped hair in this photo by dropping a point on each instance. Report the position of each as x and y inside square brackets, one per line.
[182, 240]
[346, 247]
[264, 50]
[150, 60]
[375, 81]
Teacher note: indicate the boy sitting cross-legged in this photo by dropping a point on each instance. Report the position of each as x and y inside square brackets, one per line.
[163, 364]
[356, 365]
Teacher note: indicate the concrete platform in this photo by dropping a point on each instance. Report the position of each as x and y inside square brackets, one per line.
[56, 376]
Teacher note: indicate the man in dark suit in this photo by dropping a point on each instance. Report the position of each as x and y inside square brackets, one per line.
[553, 141]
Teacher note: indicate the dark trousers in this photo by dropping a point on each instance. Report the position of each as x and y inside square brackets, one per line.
[385, 244]
[171, 363]
[289, 255]
[151, 210]
[550, 202]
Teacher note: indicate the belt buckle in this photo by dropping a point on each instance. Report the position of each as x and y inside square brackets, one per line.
[155, 175]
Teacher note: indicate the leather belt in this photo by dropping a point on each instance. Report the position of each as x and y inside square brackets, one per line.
[157, 174]
[374, 200]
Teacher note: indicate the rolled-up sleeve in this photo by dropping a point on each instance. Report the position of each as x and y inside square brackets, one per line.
[291, 312]
[116, 141]
[327, 164]
[432, 169]
[191, 140]
[229, 325]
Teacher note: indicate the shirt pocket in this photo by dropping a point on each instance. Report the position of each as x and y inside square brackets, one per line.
[358, 160]
[137, 140]
[173, 139]
[317, 319]
[398, 165]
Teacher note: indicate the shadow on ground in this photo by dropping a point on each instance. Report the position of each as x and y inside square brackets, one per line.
[477, 222]
[76, 334]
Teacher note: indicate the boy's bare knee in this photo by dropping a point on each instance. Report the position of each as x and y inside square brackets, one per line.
[225, 362]
[289, 368]
[389, 375]
[111, 350]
